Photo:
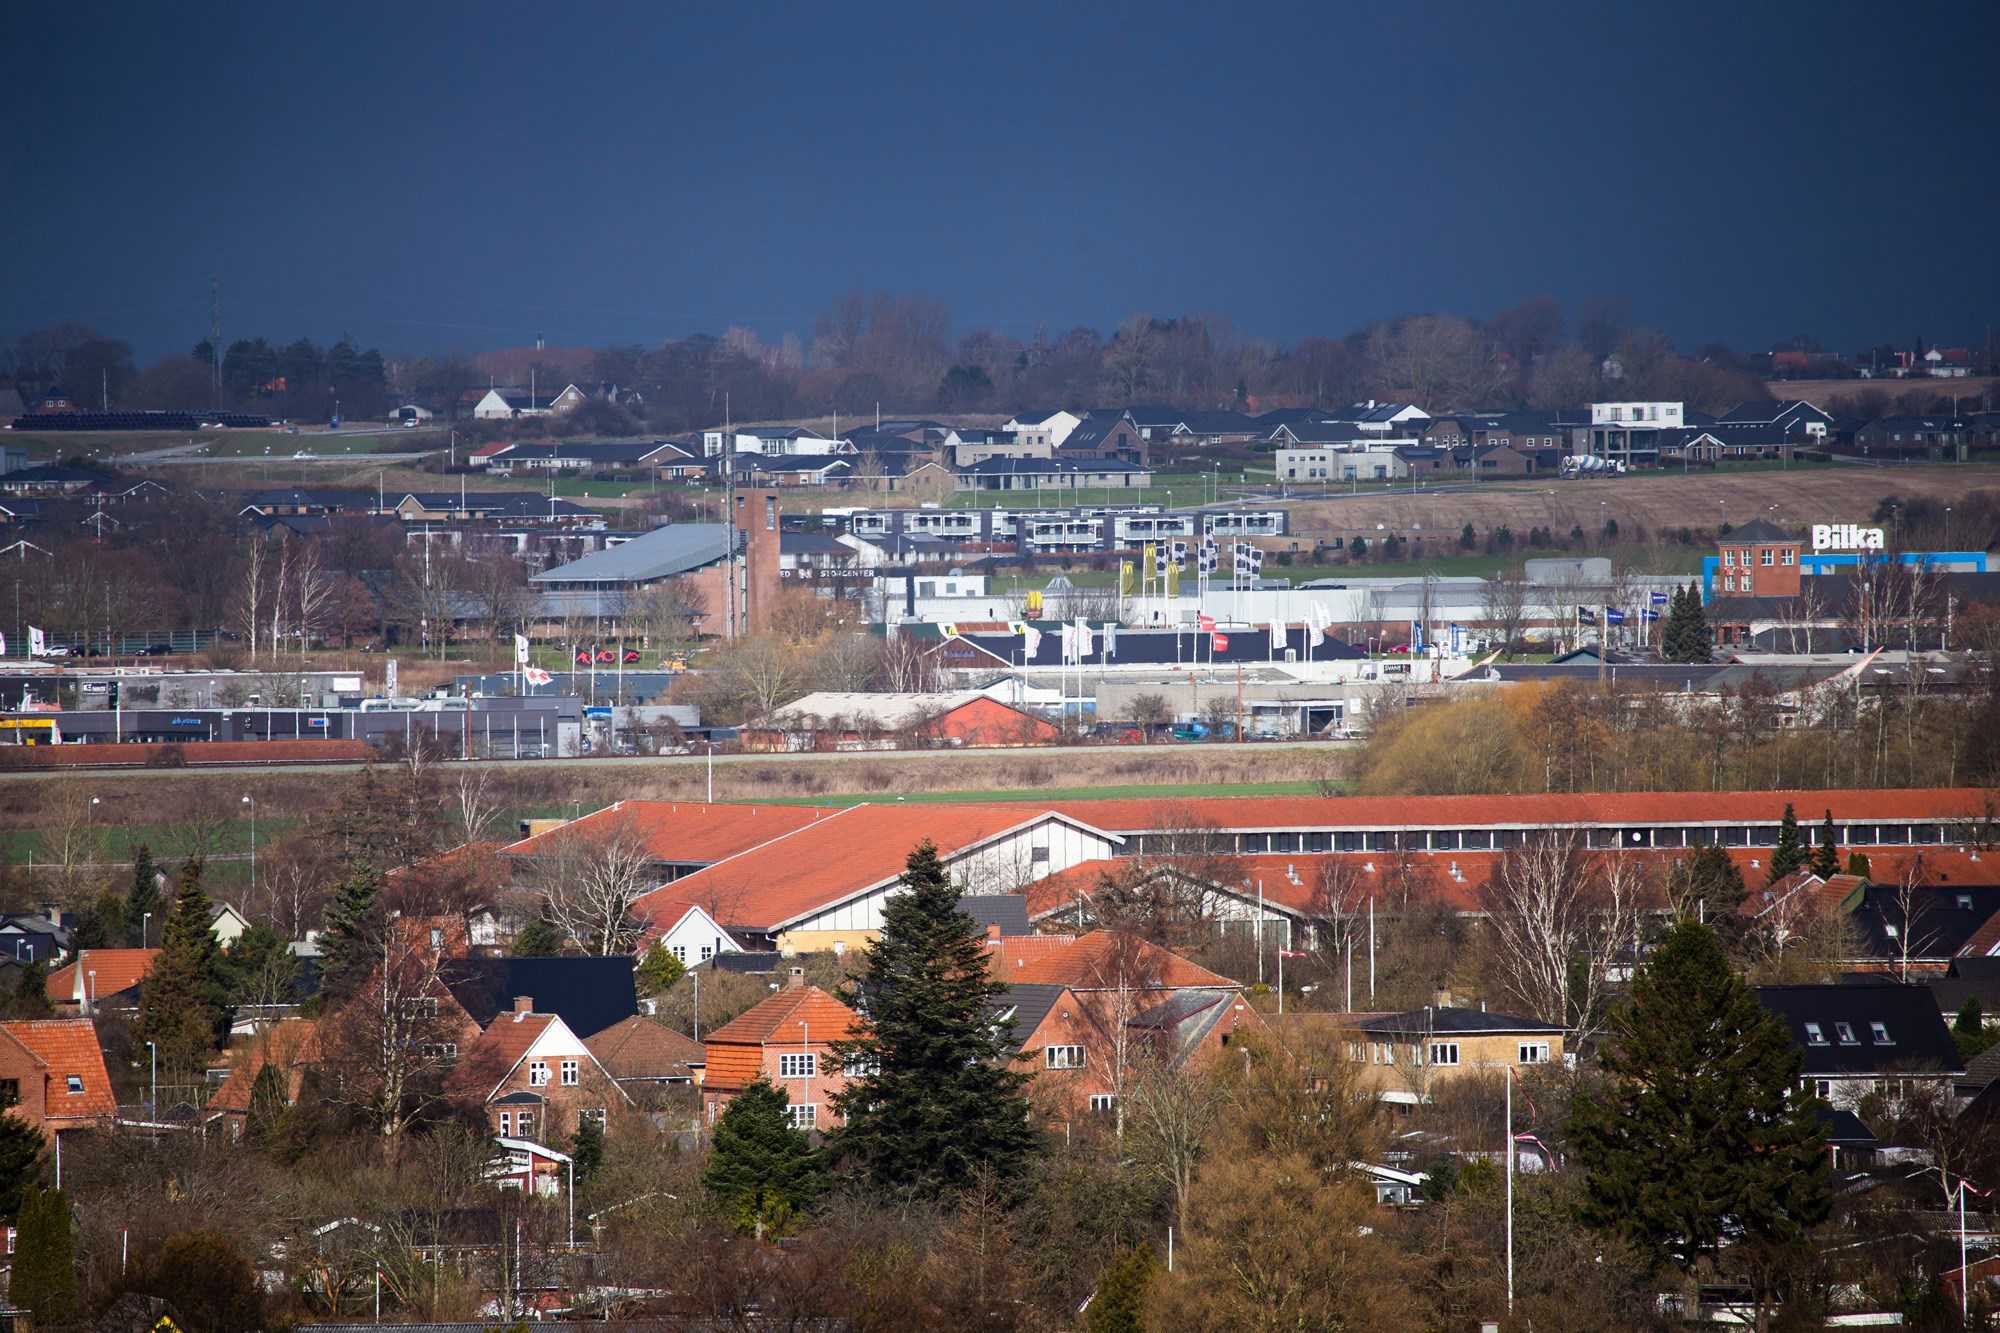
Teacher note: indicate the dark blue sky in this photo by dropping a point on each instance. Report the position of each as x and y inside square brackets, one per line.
[426, 176]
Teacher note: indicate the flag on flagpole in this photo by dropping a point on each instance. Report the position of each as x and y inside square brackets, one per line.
[1031, 642]
[1204, 622]
[1657, 598]
[38, 642]
[1613, 616]
[520, 650]
[536, 676]
[1111, 638]
[1218, 643]
[1585, 616]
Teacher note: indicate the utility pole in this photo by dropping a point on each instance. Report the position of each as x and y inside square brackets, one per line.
[215, 338]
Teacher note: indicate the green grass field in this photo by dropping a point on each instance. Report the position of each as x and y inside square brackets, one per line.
[1107, 793]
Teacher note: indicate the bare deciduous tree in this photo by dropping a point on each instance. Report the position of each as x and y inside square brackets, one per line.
[1172, 1116]
[589, 878]
[1558, 919]
[1504, 607]
[252, 592]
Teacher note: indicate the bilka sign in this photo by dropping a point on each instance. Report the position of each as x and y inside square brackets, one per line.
[1845, 537]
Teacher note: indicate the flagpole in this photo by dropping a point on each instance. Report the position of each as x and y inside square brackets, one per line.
[1510, 1189]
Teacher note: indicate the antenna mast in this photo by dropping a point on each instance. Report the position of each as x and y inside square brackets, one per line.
[215, 338]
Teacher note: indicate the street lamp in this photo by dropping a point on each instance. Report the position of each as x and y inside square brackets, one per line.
[252, 803]
[145, 930]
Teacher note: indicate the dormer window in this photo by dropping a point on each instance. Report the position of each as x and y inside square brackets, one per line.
[73, 1083]
[1845, 1031]
[1814, 1035]
[1890, 929]
[1880, 1032]
[1965, 902]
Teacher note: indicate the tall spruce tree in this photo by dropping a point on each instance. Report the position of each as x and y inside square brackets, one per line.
[761, 1171]
[1709, 878]
[350, 943]
[1826, 855]
[44, 1273]
[1702, 1124]
[143, 900]
[1790, 852]
[938, 1101]
[1686, 637]
[1857, 864]
[184, 1004]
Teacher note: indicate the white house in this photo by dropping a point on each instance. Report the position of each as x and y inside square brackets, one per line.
[694, 937]
[507, 404]
[774, 441]
[1664, 416]
[1048, 429]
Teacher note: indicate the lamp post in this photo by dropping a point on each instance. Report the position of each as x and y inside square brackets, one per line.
[90, 991]
[251, 801]
[145, 930]
[153, 1093]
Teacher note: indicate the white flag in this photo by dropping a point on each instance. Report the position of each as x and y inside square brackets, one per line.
[1068, 642]
[1031, 639]
[1085, 644]
[38, 643]
[520, 650]
[3, 645]
[536, 676]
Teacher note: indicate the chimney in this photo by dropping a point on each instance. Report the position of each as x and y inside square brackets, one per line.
[993, 932]
[795, 978]
[524, 1004]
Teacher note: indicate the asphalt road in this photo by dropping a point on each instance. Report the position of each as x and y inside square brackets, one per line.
[639, 763]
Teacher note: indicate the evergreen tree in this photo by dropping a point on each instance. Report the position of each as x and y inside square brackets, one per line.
[760, 1169]
[1969, 1031]
[1857, 864]
[1686, 637]
[143, 899]
[184, 1004]
[30, 997]
[1790, 853]
[1702, 1123]
[260, 967]
[1826, 856]
[1708, 878]
[1120, 1303]
[21, 1148]
[586, 1148]
[44, 1273]
[938, 1101]
[538, 939]
[268, 1105]
[657, 970]
[349, 944]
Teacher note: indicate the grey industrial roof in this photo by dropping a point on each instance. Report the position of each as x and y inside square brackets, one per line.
[661, 553]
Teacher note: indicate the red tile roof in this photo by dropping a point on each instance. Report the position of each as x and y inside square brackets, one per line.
[62, 1047]
[641, 1047]
[775, 1020]
[829, 861]
[292, 1044]
[1104, 959]
[492, 1056]
[687, 832]
[1013, 953]
[116, 970]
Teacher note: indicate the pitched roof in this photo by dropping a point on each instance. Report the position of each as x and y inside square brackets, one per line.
[1023, 1007]
[1942, 918]
[293, 1042]
[1105, 958]
[838, 857]
[777, 1018]
[641, 1047]
[492, 1055]
[1008, 911]
[1916, 1037]
[1756, 530]
[115, 970]
[64, 1047]
[661, 553]
[588, 994]
[686, 832]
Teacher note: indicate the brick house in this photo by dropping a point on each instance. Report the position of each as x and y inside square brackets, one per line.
[533, 1078]
[787, 1039]
[52, 1074]
[291, 1047]
[1760, 559]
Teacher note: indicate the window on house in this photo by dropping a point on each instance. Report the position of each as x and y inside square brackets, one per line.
[1815, 1035]
[525, 1122]
[1065, 1057]
[1444, 1052]
[1823, 1089]
[569, 1072]
[437, 938]
[1880, 1032]
[1532, 1053]
[506, 1124]
[538, 1073]
[798, 1066]
[10, 1091]
[1728, 583]
[1728, 558]
[1746, 583]
[1102, 1101]
[707, 953]
[803, 1115]
[440, 1050]
[424, 1007]
[1889, 929]
[1787, 556]
[1767, 556]
[593, 1114]
[1845, 1031]
[860, 1066]
[74, 1083]
[1385, 1053]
